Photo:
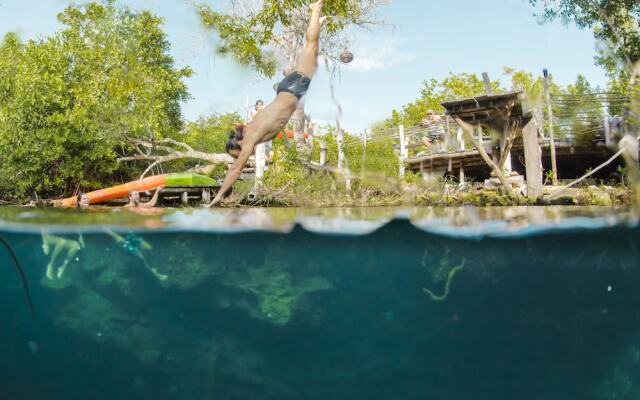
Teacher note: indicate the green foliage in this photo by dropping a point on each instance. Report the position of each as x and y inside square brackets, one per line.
[286, 169]
[577, 116]
[251, 38]
[68, 100]
[532, 85]
[433, 93]
[242, 39]
[614, 23]
[210, 134]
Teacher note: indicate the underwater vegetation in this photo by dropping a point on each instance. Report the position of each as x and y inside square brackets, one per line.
[398, 313]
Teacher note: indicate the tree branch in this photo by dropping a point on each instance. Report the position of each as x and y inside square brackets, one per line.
[171, 154]
[509, 145]
[468, 131]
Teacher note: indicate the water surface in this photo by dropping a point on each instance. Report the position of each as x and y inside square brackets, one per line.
[527, 303]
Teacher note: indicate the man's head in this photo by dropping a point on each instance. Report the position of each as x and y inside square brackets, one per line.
[83, 201]
[429, 113]
[134, 196]
[234, 145]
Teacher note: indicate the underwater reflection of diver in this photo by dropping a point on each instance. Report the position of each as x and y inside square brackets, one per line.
[25, 283]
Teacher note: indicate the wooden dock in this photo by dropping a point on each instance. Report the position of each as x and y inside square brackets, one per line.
[571, 159]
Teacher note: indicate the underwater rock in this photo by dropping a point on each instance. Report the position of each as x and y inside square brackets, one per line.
[275, 294]
[623, 383]
[187, 264]
[92, 315]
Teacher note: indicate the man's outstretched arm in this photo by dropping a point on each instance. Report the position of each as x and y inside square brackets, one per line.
[154, 200]
[234, 173]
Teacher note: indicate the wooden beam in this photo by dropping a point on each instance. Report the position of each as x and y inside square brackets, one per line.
[533, 160]
[468, 130]
[547, 95]
[487, 83]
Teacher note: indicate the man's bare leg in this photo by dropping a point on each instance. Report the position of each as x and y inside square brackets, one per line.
[309, 58]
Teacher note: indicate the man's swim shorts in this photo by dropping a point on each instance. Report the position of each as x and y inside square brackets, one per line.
[295, 83]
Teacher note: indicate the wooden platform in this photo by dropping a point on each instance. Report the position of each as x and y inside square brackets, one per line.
[183, 195]
[473, 163]
[186, 194]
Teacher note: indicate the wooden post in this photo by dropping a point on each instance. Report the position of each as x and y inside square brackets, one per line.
[402, 151]
[460, 137]
[448, 139]
[552, 141]
[480, 135]
[506, 132]
[462, 175]
[607, 129]
[533, 160]
[487, 83]
[323, 152]
[261, 162]
[206, 195]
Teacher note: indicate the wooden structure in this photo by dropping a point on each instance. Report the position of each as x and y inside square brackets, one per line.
[509, 118]
[185, 194]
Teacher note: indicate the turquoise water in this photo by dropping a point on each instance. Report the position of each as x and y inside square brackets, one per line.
[523, 303]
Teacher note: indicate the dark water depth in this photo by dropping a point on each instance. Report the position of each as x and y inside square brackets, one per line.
[397, 313]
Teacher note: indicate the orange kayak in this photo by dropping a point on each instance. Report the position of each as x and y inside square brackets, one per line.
[142, 185]
[116, 192]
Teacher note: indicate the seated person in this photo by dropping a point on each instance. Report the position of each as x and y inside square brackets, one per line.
[431, 119]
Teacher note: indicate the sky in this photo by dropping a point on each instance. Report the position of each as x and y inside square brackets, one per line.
[420, 40]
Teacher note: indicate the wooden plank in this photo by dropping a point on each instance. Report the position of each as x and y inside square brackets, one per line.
[261, 162]
[403, 149]
[607, 130]
[547, 95]
[487, 83]
[533, 160]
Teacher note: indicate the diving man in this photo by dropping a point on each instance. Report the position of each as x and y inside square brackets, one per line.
[270, 121]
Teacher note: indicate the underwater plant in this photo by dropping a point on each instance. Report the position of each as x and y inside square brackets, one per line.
[447, 285]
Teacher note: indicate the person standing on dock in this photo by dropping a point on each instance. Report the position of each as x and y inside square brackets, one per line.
[269, 122]
[258, 107]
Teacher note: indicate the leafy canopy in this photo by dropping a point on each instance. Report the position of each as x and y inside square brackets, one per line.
[254, 37]
[67, 101]
[614, 22]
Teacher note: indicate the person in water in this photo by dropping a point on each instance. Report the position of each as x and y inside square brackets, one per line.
[83, 201]
[56, 245]
[270, 121]
[134, 199]
[134, 245]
